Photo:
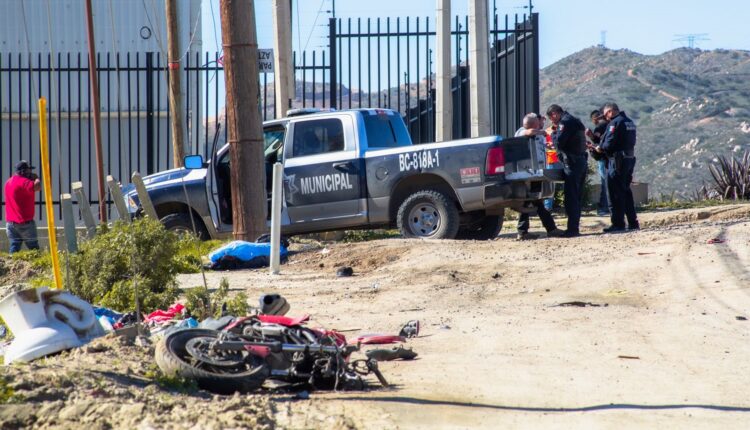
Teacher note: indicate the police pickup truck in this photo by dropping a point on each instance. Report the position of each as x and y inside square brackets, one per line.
[357, 169]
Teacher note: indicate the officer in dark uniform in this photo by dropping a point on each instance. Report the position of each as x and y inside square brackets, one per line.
[570, 141]
[600, 127]
[618, 143]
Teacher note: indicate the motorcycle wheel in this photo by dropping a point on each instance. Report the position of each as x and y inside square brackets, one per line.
[189, 354]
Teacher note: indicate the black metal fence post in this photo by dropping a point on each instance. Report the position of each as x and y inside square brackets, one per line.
[150, 113]
[535, 61]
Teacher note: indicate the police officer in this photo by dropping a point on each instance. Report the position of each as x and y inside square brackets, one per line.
[618, 143]
[595, 135]
[570, 141]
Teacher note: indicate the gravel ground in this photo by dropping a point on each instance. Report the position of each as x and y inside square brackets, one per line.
[655, 337]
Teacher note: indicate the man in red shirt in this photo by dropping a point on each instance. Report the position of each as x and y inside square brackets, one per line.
[20, 192]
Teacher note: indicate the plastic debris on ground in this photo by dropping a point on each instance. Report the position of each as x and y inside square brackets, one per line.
[161, 322]
[46, 321]
[107, 317]
[161, 316]
[178, 325]
[243, 255]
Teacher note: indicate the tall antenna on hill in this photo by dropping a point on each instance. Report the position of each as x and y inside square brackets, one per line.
[691, 38]
[603, 42]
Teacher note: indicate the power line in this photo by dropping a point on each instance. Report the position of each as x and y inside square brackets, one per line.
[317, 15]
[691, 38]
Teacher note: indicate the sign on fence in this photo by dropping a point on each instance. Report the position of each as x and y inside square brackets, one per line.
[265, 60]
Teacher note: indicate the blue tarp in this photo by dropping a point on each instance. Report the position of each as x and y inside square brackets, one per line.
[244, 251]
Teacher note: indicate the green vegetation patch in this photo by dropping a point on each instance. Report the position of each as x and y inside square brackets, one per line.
[109, 266]
[367, 235]
[203, 303]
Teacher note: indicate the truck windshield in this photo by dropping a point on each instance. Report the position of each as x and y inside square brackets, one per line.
[385, 131]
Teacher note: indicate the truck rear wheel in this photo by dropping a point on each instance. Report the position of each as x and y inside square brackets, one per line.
[486, 228]
[428, 214]
[180, 223]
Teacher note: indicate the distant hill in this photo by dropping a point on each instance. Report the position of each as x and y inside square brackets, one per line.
[688, 104]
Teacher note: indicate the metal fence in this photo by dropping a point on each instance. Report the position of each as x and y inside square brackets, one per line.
[368, 63]
[389, 64]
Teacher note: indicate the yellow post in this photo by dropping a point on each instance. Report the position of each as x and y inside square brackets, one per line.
[46, 178]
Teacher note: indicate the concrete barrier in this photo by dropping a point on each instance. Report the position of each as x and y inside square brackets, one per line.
[640, 193]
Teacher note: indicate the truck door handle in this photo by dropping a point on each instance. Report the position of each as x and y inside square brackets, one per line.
[345, 166]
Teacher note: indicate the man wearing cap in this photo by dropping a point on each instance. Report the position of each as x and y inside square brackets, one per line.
[20, 195]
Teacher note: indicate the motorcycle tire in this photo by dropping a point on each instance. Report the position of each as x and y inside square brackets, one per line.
[186, 353]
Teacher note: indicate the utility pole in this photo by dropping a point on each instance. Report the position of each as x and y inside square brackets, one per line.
[244, 125]
[282, 59]
[97, 114]
[444, 102]
[479, 88]
[175, 99]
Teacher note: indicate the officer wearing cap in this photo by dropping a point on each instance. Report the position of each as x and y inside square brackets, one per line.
[20, 192]
[570, 141]
[618, 143]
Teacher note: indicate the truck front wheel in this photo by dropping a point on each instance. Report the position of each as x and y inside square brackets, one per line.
[428, 214]
[180, 223]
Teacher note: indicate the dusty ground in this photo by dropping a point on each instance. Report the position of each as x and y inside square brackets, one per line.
[664, 348]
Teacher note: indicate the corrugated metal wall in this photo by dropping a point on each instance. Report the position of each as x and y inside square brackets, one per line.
[133, 19]
[139, 33]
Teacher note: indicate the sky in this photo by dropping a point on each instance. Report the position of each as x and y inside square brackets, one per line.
[566, 26]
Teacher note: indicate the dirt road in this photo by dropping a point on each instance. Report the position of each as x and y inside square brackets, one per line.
[662, 348]
[662, 341]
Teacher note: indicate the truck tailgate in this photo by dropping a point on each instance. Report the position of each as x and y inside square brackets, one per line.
[526, 160]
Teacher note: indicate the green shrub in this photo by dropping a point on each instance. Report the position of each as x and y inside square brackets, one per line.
[39, 260]
[730, 177]
[190, 251]
[203, 303]
[107, 266]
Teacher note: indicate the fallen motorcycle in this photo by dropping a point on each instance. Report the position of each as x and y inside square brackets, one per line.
[250, 350]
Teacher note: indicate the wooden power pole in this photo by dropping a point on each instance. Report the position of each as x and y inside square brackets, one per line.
[175, 98]
[479, 83]
[444, 103]
[282, 59]
[97, 113]
[244, 124]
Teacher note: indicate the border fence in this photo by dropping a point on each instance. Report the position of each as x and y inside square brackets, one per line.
[379, 63]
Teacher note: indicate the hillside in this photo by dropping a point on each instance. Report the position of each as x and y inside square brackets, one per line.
[689, 105]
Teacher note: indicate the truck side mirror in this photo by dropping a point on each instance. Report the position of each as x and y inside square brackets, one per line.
[194, 162]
